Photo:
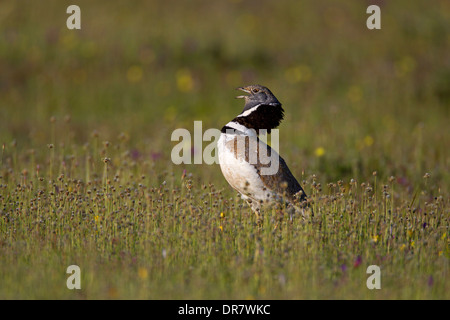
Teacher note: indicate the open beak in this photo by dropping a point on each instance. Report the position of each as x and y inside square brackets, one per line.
[242, 89]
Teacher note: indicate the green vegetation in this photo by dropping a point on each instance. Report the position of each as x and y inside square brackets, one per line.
[86, 177]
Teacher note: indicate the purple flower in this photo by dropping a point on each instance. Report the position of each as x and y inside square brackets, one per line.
[156, 155]
[357, 262]
[430, 281]
[135, 154]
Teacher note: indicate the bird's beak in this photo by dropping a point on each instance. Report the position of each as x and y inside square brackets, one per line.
[242, 89]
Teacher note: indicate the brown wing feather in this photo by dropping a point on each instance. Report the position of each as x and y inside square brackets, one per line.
[282, 182]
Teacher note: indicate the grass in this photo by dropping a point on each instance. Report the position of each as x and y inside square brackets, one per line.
[183, 238]
[86, 177]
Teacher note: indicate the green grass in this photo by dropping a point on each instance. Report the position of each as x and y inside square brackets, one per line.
[357, 102]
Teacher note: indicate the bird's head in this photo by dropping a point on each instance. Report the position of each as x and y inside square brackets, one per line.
[257, 95]
[262, 109]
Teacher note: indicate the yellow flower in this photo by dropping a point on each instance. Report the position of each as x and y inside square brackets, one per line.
[301, 73]
[113, 293]
[134, 74]
[405, 66]
[368, 141]
[185, 82]
[142, 273]
[354, 94]
[319, 152]
[247, 23]
[375, 238]
[403, 247]
[170, 113]
[221, 228]
[96, 218]
[222, 215]
[69, 40]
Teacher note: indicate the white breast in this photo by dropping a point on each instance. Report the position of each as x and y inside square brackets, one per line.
[241, 175]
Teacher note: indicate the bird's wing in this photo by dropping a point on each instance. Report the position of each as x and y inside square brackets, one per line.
[282, 181]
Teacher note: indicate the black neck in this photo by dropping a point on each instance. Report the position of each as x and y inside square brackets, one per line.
[262, 117]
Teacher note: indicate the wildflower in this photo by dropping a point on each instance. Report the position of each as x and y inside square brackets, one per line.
[170, 113]
[221, 228]
[135, 154]
[301, 73]
[247, 23]
[319, 152]
[368, 141]
[405, 66]
[430, 281]
[113, 293]
[134, 74]
[142, 273]
[354, 94]
[357, 262]
[375, 238]
[185, 82]
[68, 41]
[96, 218]
[222, 215]
[156, 155]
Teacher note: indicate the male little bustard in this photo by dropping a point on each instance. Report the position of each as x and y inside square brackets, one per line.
[240, 150]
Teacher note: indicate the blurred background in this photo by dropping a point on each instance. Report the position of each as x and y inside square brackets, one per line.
[356, 100]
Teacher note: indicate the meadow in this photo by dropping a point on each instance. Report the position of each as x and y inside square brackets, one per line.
[86, 176]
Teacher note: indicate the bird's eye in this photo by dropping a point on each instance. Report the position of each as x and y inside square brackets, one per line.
[255, 90]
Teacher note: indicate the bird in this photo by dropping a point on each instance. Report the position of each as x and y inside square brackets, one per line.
[240, 154]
